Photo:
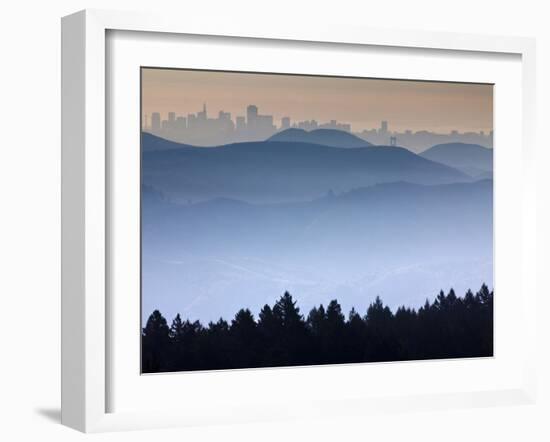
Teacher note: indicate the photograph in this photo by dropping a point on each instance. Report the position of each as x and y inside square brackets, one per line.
[301, 220]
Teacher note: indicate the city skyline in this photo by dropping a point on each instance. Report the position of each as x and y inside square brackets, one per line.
[408, 105]
[203, 129]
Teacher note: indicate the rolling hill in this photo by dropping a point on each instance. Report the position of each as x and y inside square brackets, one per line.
[323, 137]
[152, 143]
[472, 159]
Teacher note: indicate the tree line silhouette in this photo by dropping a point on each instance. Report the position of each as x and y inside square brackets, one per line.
[450, 327]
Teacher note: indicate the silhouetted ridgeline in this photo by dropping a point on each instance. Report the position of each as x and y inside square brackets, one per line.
[450, 327]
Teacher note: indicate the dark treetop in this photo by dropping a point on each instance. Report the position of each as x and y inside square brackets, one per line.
[450, 327]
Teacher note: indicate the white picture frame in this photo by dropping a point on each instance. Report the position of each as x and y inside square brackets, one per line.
[86, 205]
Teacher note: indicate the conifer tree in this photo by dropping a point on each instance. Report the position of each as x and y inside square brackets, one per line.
[451, 327]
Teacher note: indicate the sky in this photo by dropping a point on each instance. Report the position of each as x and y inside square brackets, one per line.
[362, 102]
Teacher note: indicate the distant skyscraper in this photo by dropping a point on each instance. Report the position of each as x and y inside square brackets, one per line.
[251, 114]
[285, 123]
[171, 123]
[224, 115]
[181, 123]
[224, 121]
[155, 121]
[308, 125]
[384, 127]
[202, 115]
[241, 123]
[333, 124]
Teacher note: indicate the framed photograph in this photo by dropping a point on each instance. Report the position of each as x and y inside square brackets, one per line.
[292, 223]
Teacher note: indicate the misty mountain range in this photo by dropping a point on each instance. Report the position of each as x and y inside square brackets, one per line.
[279, 171]
[236, 225]
[369, 241]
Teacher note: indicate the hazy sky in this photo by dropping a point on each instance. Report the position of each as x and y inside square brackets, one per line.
[415, 105]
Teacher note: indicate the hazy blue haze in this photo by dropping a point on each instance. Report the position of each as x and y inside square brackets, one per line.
[238, 225]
